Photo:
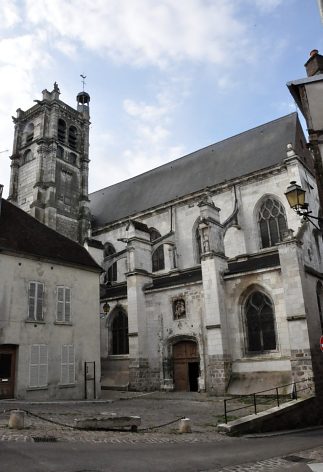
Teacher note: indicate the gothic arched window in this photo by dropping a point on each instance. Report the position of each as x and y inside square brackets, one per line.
[158, 260]
[29, 133]
[61, 130]
[272, 222]
[259, 316]
[319, 297]
[119, 327]
[198, 245]
[72, 137]
[112, 272]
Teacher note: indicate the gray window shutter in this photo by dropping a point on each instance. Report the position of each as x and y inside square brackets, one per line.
[31, 300]
[40, 298]
[60, 303]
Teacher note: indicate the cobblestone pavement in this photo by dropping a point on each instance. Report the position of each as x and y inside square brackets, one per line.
[155, 409]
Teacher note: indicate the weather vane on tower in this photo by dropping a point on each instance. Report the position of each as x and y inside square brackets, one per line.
[83, 80]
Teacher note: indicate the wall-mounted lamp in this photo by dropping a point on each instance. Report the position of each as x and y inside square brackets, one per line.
[296, 198]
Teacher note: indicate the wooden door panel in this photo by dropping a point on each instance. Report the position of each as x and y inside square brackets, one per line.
[7, 372]
[180, 376]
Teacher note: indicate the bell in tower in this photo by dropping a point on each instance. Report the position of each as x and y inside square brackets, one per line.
[49, 168]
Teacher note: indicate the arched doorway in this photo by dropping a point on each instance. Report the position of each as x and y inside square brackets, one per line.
[119, 327]
[186, 362]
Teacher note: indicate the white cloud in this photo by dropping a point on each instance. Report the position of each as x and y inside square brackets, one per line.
[9, 14]
[267, 5]
[145, 31]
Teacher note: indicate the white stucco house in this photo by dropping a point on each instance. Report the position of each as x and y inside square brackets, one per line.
[49, 312]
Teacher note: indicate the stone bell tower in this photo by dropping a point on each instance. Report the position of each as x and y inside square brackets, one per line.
[49, 168]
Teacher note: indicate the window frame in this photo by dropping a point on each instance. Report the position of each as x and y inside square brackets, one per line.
[262, 351]
[64, 304]
[260, 219]
[37, 302]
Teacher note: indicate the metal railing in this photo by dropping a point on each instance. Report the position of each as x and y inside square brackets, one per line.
[277, 397]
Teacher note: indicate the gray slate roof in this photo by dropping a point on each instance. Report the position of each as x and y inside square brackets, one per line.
[22, 234]
[250, 151]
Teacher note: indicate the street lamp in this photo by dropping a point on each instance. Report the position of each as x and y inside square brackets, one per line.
[296, 198]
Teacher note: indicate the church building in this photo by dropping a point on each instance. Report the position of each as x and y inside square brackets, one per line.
[211, 282]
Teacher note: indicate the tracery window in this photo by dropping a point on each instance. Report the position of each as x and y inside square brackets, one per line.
[272, 222]
[112, 272]
[259, 316]
[120, 340]
[158, 260]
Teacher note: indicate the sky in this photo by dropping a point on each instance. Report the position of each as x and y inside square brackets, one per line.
[166, 77]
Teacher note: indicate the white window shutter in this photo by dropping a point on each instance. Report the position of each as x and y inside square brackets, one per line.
[64, 365]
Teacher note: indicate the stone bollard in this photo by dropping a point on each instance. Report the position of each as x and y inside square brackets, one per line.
[185, 425]
[17, 419]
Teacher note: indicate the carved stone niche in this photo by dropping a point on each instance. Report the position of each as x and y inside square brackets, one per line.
[179, 309]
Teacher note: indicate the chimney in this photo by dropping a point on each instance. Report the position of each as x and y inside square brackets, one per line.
[314, 65]
[1, 188]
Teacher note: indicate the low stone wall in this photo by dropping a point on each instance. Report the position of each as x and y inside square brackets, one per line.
[294, 414]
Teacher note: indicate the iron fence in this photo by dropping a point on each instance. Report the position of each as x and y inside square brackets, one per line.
[277, 396]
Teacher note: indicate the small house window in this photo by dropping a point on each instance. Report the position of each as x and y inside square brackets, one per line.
[63, 312]
[260, 323]
[272, 222]
[35, 301]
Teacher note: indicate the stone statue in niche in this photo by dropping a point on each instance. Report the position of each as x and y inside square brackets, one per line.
[179, 310]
